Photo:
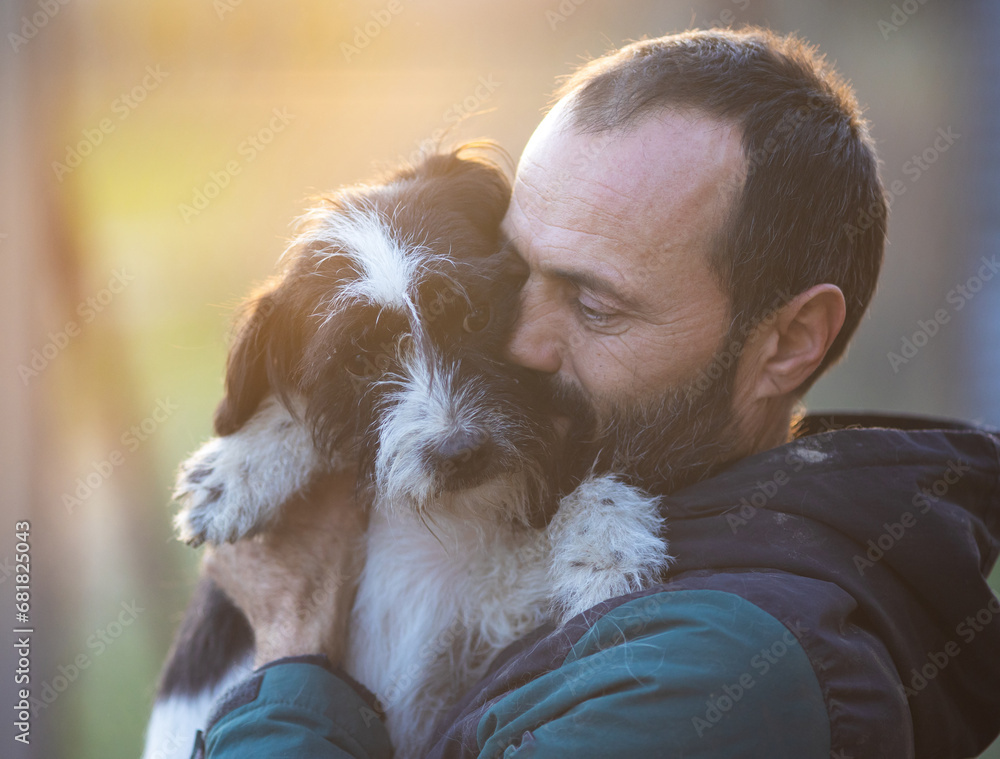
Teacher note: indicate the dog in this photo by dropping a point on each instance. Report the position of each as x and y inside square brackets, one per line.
[381, 348]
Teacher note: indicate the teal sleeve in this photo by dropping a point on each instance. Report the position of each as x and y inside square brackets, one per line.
[693, 674]
[297, 710]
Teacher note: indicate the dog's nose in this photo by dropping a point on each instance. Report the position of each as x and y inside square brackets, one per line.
[463, 453]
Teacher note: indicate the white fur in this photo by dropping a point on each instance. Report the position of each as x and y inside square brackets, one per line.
[419, 409]
[426, 407]
[605, 543]
[435, 606]
[387, 268]
[809, 450]
[174, 722]
[433, 609]
[233, 485]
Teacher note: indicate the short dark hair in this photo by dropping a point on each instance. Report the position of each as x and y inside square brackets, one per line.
[812, 208]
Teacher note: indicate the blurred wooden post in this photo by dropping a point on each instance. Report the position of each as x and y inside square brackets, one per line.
[20, 235]
[27, 230]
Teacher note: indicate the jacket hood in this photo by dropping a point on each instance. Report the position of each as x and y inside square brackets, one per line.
[902, 514]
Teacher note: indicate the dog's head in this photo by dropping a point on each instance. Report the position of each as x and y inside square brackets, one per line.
[390, 322]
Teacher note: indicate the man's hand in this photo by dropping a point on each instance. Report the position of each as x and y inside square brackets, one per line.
[296, 581]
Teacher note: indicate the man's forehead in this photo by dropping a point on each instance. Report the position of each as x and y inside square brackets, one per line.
[669, 171]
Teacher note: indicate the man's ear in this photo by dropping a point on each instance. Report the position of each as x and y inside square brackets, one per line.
[783, 351]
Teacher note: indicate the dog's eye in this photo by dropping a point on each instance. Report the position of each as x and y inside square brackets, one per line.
[371, 361]
[477, 321]
[360, 366]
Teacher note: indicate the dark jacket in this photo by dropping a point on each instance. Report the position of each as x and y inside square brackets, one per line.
[829, 599]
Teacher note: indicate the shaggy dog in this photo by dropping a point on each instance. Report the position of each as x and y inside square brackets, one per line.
[381, 348]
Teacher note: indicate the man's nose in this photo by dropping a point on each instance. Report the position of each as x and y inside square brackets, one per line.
[535, 343]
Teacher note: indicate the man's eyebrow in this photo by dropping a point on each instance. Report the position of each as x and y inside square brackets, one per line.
[596, 284]
[581, 279]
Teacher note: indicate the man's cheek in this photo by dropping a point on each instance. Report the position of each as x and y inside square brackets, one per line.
[588, 366]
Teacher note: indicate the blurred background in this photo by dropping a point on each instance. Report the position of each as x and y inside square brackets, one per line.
[155, 153]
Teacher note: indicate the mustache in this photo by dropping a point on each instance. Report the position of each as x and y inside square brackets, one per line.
[569, 400]
[576, 456]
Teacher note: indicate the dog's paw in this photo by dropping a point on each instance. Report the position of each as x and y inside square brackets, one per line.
[234, 486]
[213, 487]
[606, 542]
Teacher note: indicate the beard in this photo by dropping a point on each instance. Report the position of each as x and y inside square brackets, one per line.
[661, 444]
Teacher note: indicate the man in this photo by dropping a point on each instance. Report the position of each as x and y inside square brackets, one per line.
[704, 225]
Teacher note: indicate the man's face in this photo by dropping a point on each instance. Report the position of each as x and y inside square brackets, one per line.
[620, 306]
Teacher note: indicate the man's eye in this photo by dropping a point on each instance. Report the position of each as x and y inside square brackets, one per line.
[593, 316]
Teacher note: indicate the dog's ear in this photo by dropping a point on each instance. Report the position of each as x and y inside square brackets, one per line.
[250, 366]
[482, 189]
[472, 183]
